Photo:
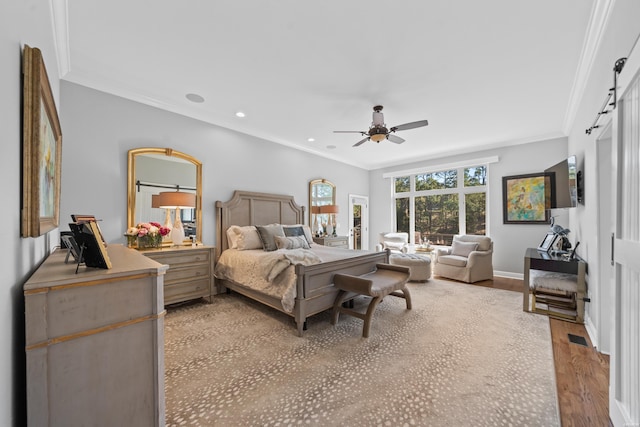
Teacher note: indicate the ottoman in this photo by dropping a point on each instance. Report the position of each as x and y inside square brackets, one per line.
[419, 265]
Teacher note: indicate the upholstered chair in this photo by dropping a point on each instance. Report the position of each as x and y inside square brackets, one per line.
[469, 259]
[395, 242]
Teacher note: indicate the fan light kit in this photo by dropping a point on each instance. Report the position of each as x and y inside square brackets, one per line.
[378, 130]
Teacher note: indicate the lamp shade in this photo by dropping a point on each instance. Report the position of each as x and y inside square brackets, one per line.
[329, 209]
[176, 199]
[155, 200]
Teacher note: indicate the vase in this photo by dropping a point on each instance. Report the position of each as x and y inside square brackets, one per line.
[149, 241]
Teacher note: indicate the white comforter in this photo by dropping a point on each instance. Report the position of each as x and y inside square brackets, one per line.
[273, 273]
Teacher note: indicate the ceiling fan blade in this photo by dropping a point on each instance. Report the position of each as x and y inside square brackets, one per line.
[361, 142]
[411, 125]
[394, 138]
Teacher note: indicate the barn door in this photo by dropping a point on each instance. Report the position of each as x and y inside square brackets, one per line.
[624, 392]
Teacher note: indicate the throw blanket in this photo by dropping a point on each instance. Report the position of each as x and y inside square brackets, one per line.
[276, 262]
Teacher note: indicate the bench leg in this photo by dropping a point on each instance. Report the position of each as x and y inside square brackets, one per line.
[403, 293]
[337, 305]
[367, 317]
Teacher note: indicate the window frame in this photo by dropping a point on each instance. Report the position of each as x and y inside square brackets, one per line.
[461, 190]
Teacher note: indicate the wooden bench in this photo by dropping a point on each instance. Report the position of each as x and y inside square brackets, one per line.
[386, 280]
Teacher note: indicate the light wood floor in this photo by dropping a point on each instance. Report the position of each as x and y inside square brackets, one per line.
[582, 373]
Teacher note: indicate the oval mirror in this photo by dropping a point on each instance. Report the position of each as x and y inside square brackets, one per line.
[155, 170]
[322, 192]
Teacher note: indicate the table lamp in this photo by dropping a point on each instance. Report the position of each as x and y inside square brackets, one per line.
[177, 200]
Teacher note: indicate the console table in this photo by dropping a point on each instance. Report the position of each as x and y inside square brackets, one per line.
[548, 262]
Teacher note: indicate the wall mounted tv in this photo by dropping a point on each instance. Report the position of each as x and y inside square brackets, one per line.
[562, 185]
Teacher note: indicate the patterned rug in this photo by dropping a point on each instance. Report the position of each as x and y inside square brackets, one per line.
[463, 356]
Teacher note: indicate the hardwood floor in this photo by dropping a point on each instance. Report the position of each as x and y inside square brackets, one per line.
[582, 373]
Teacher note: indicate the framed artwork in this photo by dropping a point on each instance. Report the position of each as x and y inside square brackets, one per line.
[41, 149]
[523, 199]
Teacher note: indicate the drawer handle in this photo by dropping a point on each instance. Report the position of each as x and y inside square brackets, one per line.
[198, 258]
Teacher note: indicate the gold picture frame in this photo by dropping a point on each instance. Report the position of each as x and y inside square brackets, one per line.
[41, 149]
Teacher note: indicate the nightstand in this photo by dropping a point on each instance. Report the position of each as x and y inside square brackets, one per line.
[190, 273]
[335, 242]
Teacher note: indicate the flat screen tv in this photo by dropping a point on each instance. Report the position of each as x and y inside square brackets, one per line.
[561, 184]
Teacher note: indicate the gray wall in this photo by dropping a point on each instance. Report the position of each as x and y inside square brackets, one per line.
[21, 22]
[101, 128]
[617, 41]
[510, 240]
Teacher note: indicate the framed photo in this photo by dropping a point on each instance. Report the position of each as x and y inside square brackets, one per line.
[547, 242]
[41, 149]
[524, 199]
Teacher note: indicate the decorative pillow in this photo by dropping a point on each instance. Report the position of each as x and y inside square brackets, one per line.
[305, 229]
[463, 248]
[267, 235]
[293, 230]
[398, 246]
[243, 238]
[292, 242]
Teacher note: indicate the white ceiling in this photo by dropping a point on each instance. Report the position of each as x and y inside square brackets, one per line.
[484, 73]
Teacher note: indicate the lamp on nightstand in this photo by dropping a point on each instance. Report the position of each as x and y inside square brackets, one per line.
[177, 200]
[331, 224]
[155, 203]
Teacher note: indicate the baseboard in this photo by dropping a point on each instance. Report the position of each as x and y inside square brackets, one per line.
[591, 330]
[509, 275]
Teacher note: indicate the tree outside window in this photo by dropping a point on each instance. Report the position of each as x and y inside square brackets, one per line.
[442, 204]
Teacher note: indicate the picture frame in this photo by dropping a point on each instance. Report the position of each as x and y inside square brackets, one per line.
[92, 251]
[548, 241]
[524, 199]
[41, 149]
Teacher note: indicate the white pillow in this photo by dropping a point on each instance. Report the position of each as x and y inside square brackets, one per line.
[244, 238]
[393, 245]
[463, 248]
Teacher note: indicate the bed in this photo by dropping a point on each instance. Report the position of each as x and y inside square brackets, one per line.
[314, 290]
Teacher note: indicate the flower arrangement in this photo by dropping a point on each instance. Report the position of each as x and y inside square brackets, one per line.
[146, 234]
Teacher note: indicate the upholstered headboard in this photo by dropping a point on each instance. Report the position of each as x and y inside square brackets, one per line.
[250, 208]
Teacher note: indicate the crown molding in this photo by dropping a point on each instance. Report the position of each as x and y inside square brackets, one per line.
[60, 25]
[598, 22]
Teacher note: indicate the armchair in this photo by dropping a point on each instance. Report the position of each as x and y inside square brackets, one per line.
[395, 242]
[469, 259]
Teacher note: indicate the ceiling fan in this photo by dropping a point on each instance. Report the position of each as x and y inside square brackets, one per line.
[378, 130]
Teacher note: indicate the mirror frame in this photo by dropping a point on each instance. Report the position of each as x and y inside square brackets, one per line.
[131, 183]
[311, 184]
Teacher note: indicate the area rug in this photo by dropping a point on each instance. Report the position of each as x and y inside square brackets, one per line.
[463, 356]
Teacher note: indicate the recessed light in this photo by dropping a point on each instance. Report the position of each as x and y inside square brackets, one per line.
[311, 139]
[330, 147]
[194, 97]
[240, 114]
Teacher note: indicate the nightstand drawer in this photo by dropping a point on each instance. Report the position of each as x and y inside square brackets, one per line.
[336, 242]
[186, 290]
[190, 273]
[180, 274]
[180, 258]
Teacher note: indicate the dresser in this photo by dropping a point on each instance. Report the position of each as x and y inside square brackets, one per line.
[95, 342]
[336, 242]
[190, 274]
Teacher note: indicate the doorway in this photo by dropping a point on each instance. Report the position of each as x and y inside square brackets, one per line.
[358, 222]
[601, 312]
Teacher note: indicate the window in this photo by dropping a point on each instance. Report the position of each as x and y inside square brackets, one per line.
[435, 206]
